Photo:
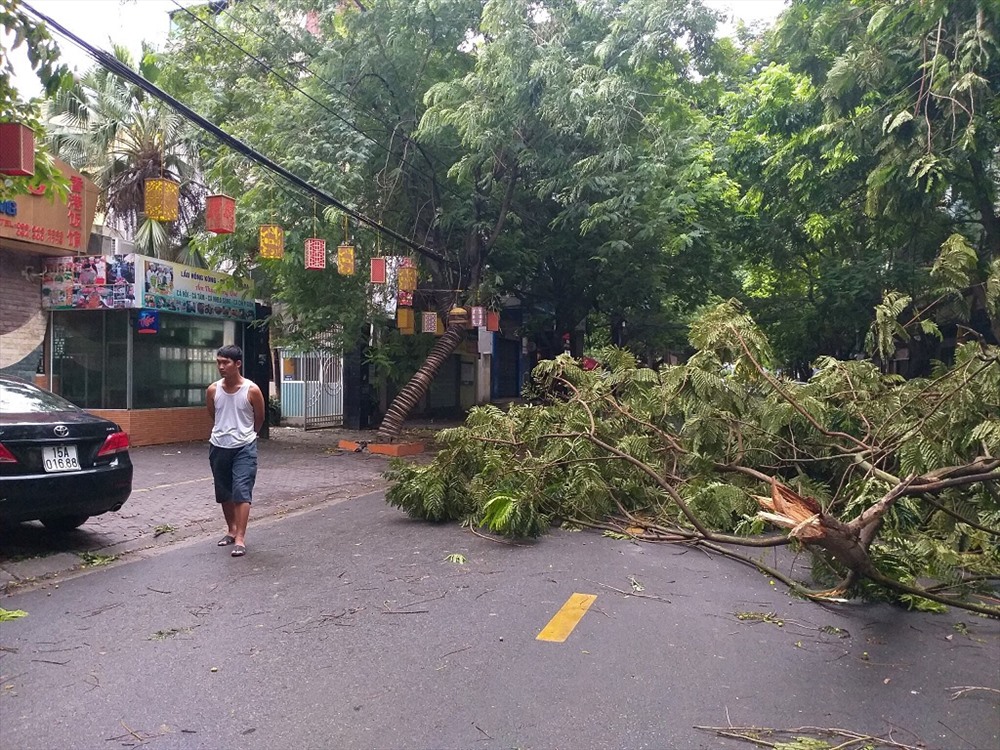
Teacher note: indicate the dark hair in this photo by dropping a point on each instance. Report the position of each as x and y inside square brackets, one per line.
[230, 351]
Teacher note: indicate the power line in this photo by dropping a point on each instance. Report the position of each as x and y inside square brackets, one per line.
[115, 66]
[291, 84]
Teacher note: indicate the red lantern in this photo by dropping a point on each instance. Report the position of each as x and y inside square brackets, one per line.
[492, 321]
[405, 299]
[220, 214]
[315, 254]
[17, 149]
[378, 270]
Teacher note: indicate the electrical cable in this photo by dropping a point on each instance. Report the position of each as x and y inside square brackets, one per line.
[329, 85]
[109, 62]
[291, 84]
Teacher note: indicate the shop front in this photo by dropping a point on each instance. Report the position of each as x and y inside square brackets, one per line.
[134, 338]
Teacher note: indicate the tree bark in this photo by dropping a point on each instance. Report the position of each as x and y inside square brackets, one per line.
[410, 395]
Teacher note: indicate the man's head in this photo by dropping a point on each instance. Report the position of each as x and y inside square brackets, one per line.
[230, 351]
[229, 359]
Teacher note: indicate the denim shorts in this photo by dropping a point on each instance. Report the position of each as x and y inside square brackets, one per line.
[235, 471]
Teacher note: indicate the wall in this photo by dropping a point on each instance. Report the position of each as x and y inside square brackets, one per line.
[158, 426]
[22, 322]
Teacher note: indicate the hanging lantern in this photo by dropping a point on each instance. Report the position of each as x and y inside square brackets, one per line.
[407, 278]
[404, 298]
[220, 214]
[378, 271]
[429, 322]
[478, 316]
[271, 241]
[162, 198]
[17, 149]
[345, 260]
[407, 262]
[315, 254]
[404, 319]
[458, 315]
[492, 321]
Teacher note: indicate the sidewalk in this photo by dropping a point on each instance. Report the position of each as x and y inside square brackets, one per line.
[172, 498]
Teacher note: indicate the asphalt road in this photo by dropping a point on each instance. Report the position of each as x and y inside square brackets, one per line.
[347, 626]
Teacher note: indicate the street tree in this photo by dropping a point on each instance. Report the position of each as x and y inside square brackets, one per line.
[511, 144]
[115, 134]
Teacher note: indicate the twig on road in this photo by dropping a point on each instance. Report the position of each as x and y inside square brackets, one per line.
[630, 593]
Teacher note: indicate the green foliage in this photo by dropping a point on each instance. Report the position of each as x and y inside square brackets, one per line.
[6, 615]
[610, 441]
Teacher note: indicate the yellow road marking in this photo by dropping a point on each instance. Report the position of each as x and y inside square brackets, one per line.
[563, 621]
[172, 484]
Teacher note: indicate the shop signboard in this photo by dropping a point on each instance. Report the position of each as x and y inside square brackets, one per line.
[41, 222]
[135, 281]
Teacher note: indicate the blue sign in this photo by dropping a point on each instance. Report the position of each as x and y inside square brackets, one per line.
[148, 321]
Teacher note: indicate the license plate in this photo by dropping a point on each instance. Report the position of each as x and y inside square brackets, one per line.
[60, 458]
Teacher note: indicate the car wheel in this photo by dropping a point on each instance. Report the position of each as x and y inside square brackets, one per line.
[64, 523]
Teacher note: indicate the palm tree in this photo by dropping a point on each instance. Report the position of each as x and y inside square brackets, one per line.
[112, 132]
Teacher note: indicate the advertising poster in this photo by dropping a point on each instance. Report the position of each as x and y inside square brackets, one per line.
[90, 282]
[135, 281]
[194, 291]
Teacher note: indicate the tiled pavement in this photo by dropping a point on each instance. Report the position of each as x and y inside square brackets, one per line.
[172, 499]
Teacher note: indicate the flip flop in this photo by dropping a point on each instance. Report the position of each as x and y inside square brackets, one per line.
[238, 551]
[226, 541]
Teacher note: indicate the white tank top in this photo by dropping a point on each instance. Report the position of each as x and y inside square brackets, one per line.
[233, 417]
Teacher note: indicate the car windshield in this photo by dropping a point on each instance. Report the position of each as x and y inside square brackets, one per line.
[21, 398]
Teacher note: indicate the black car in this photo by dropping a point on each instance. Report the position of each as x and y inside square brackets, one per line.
[58, 463]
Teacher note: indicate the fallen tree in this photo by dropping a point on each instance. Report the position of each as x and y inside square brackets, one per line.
[890, 483]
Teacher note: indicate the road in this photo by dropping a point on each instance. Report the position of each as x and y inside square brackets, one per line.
[349, 625]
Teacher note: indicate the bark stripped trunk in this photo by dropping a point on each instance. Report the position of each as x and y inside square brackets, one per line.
[413, 391]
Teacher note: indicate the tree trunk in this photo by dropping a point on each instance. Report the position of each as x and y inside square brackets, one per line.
[419, 384]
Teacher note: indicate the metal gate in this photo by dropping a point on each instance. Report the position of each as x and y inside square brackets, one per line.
[312, 388]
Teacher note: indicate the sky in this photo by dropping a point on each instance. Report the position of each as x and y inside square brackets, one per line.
[129, 22]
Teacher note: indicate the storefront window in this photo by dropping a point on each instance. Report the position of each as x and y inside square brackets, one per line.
[174, 366]
[90, 355]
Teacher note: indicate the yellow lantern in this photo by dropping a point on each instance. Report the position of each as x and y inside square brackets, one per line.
[271, 241]
[345, 260]
[404, 319]
[407, 279]
[161, 199]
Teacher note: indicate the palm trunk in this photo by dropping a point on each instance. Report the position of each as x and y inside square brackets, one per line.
[419, 384]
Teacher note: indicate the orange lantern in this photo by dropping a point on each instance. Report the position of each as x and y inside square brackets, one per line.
[378, 271]
[407, 279]
[315, 254]
[271, 241]
[492, 321]
[345, 260]
[17, 149]
[220, 214]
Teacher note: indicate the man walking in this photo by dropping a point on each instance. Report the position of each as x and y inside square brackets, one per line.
[236, 406]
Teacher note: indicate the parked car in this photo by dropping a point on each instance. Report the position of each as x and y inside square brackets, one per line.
[58, 463]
